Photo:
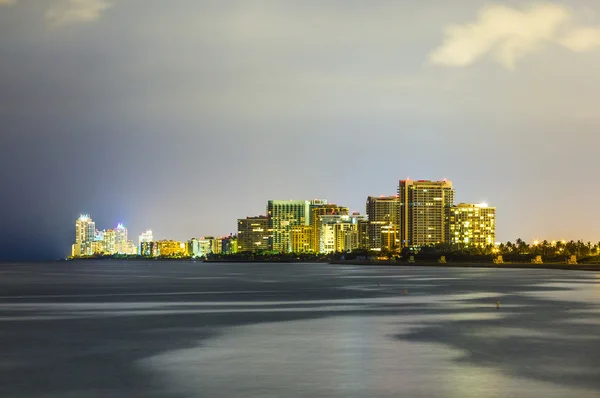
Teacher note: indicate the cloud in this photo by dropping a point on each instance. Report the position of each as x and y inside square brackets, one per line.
[509, 34]
[65, 12]
[7, 2]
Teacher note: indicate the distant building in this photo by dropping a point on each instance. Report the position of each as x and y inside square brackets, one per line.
[85, 234]
[302, 239]
[423, 208]
[382, 212]
[149, 249]
[253, 234]
[110, 241]
[363, 232]
[171, 248]
[339, 232]
[145, 237]
[229, 244]
[317, 211]
[283, 216]
[390, 238]
[472, 225]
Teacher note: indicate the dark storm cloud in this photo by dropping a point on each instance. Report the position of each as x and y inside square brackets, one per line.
[183, 116]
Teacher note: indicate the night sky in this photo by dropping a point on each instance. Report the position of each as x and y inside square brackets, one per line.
[181, 116]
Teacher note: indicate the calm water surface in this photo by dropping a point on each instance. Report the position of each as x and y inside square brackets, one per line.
[110, 329]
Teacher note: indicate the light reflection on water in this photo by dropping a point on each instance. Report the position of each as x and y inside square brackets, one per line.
[336, 357]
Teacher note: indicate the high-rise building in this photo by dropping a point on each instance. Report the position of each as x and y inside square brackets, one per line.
[422, 216]
[283, 216]
[363, 233]
[472, 225]
[110, 238]
[145, 237]
[382, 212]
[317, 211]
[85, 234]
[339, 232]
[120, 238]
[302, 238]
[253, 234]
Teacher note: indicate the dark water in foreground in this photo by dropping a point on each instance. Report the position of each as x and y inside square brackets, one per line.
[296, 330]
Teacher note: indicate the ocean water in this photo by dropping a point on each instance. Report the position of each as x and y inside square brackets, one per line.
[184, 329]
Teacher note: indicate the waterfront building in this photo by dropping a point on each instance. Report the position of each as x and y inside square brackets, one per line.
[302, 238]
[363, 232]
[85, 234]
[145, 237]
[471, 225]
[120, 239]
[253, 234]
[171, 248]
[110, 239]
[284, 215]
[339, 232]
[149, 249]
[382, 212]
[317, 211]
[390, 238]
[229, 244]
[205, 245]
[423, 207]
[216, 244]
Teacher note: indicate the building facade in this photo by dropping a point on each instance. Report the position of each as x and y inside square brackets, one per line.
[171, 248]
[283, 216]
[423, 207]
[85, 235]
[339, 232]
[253, 234]
[471, 225]
[302, 239]
[318, 210]
[145, 237]
[382, 211]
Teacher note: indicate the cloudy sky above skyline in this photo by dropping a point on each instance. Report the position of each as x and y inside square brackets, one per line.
[182, 116]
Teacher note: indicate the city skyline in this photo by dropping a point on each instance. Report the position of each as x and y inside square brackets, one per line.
[211, 108]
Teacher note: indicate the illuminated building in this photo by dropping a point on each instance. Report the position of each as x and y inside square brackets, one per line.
[363, 233]
[110, 237]
[339, 232]
[145, 237]
[149, 249]
[229, 244]
[215, 244]
[253, 234]
[319, 209]
[382, 212]
[283, 216]
[422, 216]
[472, 225]
[85, 234]
[390, 238]
[120, 239]
[171, 248]
[302, 238]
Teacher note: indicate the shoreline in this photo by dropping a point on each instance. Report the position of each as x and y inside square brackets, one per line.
[552, 266]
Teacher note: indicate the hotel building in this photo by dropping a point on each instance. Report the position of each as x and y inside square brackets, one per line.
[284, 215]
[253, 234]
[382, 212]
[422, 211]
[472, 225]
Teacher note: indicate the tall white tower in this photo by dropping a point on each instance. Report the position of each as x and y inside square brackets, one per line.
[121, 239]
[85, 234]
